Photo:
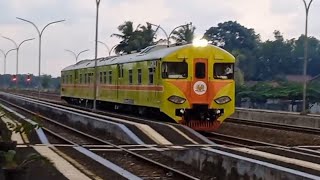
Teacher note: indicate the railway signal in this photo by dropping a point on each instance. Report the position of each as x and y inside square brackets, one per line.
[28, 78]
[14, 78]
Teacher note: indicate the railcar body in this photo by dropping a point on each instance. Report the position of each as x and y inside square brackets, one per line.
[192, 85]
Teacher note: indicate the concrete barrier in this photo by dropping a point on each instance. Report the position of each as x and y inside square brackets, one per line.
[224, 165]
[296, 119]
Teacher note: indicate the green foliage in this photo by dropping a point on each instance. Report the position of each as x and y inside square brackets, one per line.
[185, 34]
[8, 158]
[45, 81]
[269, 60]
[10, 161]
[23, 126]
[51, 83]
[232, 36]
[133, 39]
[262, 91]
[33, 157]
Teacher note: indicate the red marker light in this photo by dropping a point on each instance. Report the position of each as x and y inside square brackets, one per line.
[14, 77]
[28, 78]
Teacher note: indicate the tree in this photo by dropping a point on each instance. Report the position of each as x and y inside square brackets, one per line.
[146, 35]
[185, 34]
[313, 55]
[45, 81]
[134, 40]
[275, 57]
[238, 39]
[129, 41]
[232, 35]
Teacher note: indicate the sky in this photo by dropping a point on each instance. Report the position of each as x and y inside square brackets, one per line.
[77, 33]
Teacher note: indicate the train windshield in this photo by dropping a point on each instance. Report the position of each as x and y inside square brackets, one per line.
[174, 70]
[223, 70]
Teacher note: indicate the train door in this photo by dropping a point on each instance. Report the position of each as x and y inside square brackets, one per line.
[119, 79]
[76, 75]
[154, 79]
[199, 84]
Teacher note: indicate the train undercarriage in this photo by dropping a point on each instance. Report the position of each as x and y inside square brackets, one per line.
[198, 118]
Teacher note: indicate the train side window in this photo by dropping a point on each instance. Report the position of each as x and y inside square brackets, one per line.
[151, 72]
[85, 78]
[67, 79]
[139, 76]
[223, 70]
[70, 79]
[174, 70]
[130, 76]
[89, 78]
[104, 77]
[200, 70]
[110, 77]
[100, 77]
[62, 79]
[80, 75]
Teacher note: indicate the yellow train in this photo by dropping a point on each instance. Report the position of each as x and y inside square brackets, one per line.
[190, 84]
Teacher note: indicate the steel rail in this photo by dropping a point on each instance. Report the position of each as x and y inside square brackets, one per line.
[111, 144]
[232, 140]
[279, 126]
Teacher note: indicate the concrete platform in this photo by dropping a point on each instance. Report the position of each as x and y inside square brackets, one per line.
[226, 163]
[68, 170]
[291, 118]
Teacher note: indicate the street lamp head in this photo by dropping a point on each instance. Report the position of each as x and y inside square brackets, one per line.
[11, 41]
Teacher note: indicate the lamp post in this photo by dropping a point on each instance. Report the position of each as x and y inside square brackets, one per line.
[190, 24]
[105, 46]
[307, 8]
[159, 27]
[95, 57]
[17, 48]
[76, 55]
[109, 50]
[5, 58]
[168, 37]
[40, 33]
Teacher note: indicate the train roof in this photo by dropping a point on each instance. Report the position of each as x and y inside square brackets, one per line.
[149, 53]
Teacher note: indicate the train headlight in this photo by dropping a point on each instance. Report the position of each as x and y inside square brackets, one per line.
[223, 100]
[177, 99]
[199, 42]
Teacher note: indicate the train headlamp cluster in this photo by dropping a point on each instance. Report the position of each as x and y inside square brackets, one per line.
[177, 99]
[223, 100]
[197, 42]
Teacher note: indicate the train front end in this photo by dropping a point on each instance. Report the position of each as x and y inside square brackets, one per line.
[199, 87]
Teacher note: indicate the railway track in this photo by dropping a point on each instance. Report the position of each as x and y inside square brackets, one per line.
[54, 97]
[127, 158]
[236, 141]
[153, 168]
[164, 128]
[278, 126]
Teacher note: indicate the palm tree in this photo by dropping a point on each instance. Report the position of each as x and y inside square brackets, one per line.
[134, 40]
[147, 36]
[185, 34]
[128, 41]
